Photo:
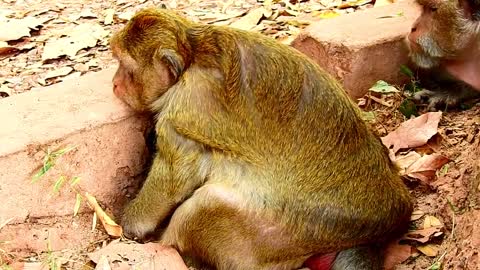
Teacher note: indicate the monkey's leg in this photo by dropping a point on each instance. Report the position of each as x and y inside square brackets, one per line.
[359, 258]
[214, 225]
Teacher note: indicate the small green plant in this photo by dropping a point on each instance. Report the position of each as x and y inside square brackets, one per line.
[408, 107]
[52, 259]
[49, 162]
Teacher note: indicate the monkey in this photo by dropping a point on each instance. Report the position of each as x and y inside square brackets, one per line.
[262, 159]
[444, 44]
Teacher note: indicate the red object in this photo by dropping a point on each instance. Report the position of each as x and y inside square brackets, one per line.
[321, 261]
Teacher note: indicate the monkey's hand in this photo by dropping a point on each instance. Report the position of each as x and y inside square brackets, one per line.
[138, 222]
[437, 100]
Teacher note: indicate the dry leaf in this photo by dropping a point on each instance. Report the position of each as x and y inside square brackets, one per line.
[405, 161]
[353, 3]
[396, 254]
[425, 168]
[58, 72]
[32, 266]
[430, 250]
[4, 223]
[127, 15]
[81, 67]
[6, 49]
[414, 132]
[250, 20]
[109, 16]
[331, 3]
[103, 264]
[326, 14]
[14, 29]
[140, 256]
[422, 235]
[416, 215]
[431, 221]
[110, 226]
[87, 13]
[81, 37]
[381, 3]
[5, 91]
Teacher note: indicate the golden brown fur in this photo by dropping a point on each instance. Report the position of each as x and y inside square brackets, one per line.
[262, 158]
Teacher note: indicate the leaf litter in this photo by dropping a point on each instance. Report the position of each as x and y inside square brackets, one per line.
[437, 155]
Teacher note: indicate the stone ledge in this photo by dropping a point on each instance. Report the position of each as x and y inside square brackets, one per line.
[362, 47]
[84, 113]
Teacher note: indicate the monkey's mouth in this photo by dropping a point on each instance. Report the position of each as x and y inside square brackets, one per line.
[413, 45]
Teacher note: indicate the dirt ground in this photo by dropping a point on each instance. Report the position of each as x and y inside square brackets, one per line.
[453, 197]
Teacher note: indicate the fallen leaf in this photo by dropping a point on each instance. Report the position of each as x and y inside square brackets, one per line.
[354, 3]
[5, 91]
[4, 223]
[6, 49]
[330, 3]
[416, 215]
[103, 264]
[422, 235]
[430, 250]
[396, 254]
[425, 168]
[405, 161]
[250, 20]
[14, 29]
[93, 63]
[127, 15]
[87, 13]
[132, 255]
[414, 132]
[381, 3]
[58, 72]
[32, 266]
[81, 37]
[325, 14]
[81, 67]
[108, 16]
[431, 221]
[381, 101]
[110, 226]
[383, 87]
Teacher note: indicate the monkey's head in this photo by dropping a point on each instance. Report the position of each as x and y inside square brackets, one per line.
[152, 54]
[446, 29]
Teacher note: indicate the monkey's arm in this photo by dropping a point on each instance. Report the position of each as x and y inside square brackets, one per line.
[173, 177]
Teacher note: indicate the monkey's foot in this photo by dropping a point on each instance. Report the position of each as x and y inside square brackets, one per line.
[437, 100]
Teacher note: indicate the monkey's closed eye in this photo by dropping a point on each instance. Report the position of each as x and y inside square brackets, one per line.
[432, 8]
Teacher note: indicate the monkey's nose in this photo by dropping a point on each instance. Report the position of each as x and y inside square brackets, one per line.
[413, 29]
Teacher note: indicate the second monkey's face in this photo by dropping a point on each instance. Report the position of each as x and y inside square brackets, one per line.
[441, 32]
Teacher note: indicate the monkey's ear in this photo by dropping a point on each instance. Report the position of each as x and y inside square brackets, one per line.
[173, 60]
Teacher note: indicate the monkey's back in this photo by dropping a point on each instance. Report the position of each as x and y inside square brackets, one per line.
[292, 131]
